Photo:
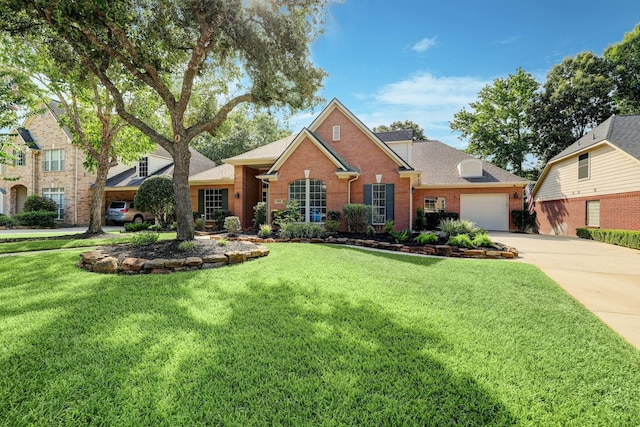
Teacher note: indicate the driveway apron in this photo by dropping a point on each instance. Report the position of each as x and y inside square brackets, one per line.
[604, 278]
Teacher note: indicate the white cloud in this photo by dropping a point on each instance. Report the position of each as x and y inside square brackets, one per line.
[424, 44]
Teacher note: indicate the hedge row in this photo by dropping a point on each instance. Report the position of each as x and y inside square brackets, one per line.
[629, 239]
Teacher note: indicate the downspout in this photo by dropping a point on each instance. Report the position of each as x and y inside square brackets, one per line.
[349, 188]
[266, 181]
[75, 196]
[410, 206]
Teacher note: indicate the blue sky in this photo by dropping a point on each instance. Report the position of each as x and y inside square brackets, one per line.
[426, 60]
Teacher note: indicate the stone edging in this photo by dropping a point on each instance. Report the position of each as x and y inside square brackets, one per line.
[99, 262]
[437, 250]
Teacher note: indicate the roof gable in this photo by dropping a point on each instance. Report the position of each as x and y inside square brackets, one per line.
[335, 104]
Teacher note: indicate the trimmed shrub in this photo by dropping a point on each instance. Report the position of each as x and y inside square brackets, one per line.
[35, 203]
[400, 236]
[426, 238]
[482, 239]
[144, 238]
[199, 224]
[219, 216]
[302, 230]
[626, 238]
[332, 225]
[370, 231]
[454, 227]
[523, 220]
[265, 231]
[42, 219]
[291, 213]
[388, 226]
[333, 216]
[156, 195]
[132, 227]
[232, 225]
[7, 221]
[432, 219]
[357, 216]
[461, 241]
[420, 222]
[259, 214]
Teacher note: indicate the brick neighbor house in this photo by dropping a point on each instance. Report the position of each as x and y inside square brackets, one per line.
[595, 182]
[338, 160]
[48, 164]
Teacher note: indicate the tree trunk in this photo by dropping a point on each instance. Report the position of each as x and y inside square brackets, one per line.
[184, 212]
[95, 213]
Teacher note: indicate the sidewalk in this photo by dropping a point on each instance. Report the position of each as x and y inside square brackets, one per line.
[604, 278]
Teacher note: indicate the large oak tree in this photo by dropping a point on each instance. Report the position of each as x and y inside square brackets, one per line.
[254, 51]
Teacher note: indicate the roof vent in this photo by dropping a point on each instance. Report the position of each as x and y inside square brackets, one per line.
[470, 168]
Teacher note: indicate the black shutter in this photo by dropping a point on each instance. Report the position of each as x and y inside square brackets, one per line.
[367, 194]
[225, 199]
[201, 202]
[389, 201]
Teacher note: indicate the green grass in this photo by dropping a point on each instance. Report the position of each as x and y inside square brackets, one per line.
[50, 244]
[310, 335]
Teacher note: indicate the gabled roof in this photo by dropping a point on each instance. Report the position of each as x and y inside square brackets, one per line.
[57, 112]
[335, 104]
[28, 138]
[341, 164]
[622, 132]
[439, 165]
[264, 155]
[225, 172]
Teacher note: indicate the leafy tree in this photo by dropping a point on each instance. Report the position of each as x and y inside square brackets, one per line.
[497, 127]
[35, 203]
[155, 195]
[201, 60]
[88, 107]
[574, 99]
[418, 132]
[241, 132]
[625, 59]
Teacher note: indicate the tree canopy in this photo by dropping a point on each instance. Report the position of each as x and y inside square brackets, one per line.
[200, 59]
[418, 132]
[625, 60]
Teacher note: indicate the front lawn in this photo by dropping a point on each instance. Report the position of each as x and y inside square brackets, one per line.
[310, 335]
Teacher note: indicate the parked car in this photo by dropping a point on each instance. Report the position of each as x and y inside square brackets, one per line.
[121, 211]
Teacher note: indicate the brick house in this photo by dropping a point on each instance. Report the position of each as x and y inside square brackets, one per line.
[595, 182]
[338, 160]
[48, 164]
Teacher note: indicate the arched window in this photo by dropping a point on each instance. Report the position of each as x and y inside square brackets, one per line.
[311, 195]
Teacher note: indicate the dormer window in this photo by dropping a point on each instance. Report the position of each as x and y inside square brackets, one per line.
[470, 168]
[336, 133]
[143, 167]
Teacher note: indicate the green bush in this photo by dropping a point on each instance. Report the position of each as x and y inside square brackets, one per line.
[302, 230]
[426, 238]
[35, 203]
[400, 236]
[460, 240]
[219, 216]
[144, 238]
[370, 231]
[187, 245]
[42, 219]
[132, 227]
[7, 221]
[264, 231]
[332, 225]
[155, 227]
[199, 224]
[482, 239]
[523, 220]
[291, 213]
[155, 195]
[388, 226]
[223, 242]
[433, 219]
[357, 216]
[453, 227]
[259, 214]
[232, 225]
[421, 221]
[333, 216]
[626, 238]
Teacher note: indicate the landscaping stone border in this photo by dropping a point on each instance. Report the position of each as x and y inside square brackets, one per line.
[437, 250]
[99, 262]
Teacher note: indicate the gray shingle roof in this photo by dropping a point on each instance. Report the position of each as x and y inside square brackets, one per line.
[28, 138]
[334, 153]
[439, 165]
[395, 135]
[621, 131]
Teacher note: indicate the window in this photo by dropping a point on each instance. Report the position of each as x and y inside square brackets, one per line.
[212, 202]
[20, 158]
[380, 198]
[336, 133]
[143, 167]
[311, 195]
[53, 160]
[593, 213]
[57, 195]
[265, 191]
[434, 204]
[583, 166]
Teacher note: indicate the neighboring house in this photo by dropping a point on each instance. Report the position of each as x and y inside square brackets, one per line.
[338, 160]
[48, 164]
[595, 182]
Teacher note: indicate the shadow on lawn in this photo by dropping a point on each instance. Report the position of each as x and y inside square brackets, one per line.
[155, 352]
[423, 260]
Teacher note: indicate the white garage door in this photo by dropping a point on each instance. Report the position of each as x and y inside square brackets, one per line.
[489, 211]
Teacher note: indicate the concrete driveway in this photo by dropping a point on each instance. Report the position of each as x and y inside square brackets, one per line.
[604, 278]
